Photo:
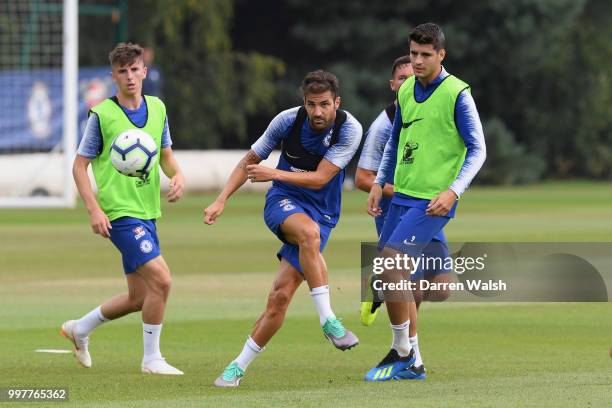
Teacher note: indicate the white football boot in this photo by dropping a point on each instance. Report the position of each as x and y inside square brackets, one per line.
[79, 346]
[159, 366]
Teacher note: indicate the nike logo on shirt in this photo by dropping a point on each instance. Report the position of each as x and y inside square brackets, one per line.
[407, 125]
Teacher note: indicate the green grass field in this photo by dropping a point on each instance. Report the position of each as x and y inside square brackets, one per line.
[53, 268]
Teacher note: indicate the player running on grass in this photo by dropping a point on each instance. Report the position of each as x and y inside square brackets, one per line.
[127, 207]
[302, 206]
[436, 148]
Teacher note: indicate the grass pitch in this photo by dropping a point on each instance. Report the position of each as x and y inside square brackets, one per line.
[53, 269]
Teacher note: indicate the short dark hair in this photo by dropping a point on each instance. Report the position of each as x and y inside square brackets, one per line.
[403, 60]
[320, 81]
[429, 33]
[126, 53]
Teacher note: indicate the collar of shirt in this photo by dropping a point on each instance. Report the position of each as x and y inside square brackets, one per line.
[141, 108]
[421, 93]
[306, 127]
[314, 141]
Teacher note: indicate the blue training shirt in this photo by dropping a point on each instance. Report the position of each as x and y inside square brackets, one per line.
[91, 143]
[327, 200]
[469, 127]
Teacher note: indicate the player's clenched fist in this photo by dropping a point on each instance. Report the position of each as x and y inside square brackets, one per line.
[213, 211]
[441, 204]
[258, 173]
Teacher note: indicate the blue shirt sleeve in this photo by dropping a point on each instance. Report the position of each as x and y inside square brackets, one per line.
[374, 145]
[341, 153]
[389, 160]
[470, 129]
[277, 130]
[91, 143]
[166, 140]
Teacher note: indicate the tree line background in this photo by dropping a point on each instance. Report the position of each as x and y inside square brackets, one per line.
[540, 70]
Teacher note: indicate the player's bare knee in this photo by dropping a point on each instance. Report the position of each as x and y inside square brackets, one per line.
[439, 295]
[388, 252]
[158, 278]
[442, 292]
[164, 284]
[310, 237]
[443, 295]
[136, 303]
[160, 285]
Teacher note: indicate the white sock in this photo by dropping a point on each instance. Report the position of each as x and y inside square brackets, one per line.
[401, 342]
[86, 324]
[248, 354]
[414, 342]
[320, 296]
[150, 337]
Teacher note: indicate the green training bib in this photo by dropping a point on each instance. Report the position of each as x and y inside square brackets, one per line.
[430, 151]
[119, 195]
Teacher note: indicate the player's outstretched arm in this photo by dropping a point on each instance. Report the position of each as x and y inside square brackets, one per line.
[100, 223]
[236, 179]
[172, 170]
[313, 179]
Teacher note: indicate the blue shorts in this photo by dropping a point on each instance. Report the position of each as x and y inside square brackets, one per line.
[137, 241]
[409, 230]
[278, 207]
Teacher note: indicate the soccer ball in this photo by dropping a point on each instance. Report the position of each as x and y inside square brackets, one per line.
[134, 153]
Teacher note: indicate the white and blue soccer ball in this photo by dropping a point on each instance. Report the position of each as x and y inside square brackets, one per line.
[134, 153]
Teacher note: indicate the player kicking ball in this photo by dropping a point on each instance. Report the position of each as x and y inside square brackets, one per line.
[435, 150]
[302, 206]
[127, 207]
